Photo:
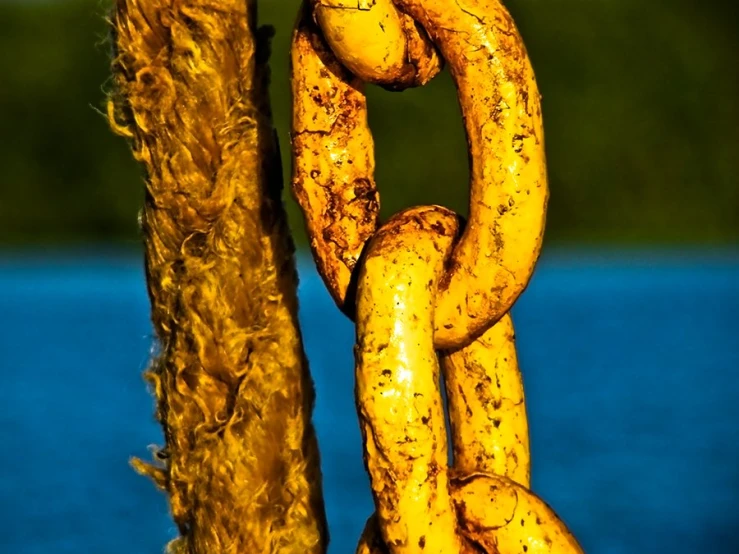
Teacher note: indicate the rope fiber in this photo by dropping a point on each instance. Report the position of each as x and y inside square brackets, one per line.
[234, 395]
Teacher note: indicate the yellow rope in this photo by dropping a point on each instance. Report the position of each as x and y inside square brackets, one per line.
[233, 391]
[425, 295]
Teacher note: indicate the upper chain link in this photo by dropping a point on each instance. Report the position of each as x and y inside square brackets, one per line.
[333, 175]
[423, 282]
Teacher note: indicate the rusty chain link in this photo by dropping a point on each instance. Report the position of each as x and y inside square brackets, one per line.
[427, 291]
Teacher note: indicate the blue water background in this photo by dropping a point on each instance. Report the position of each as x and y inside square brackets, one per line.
[630, 363]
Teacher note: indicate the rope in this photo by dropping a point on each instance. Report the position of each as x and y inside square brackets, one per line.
[234, 395]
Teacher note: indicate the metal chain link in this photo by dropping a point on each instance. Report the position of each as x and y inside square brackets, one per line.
[428, 292]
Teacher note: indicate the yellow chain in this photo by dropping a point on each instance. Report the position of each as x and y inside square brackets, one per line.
[425, 297]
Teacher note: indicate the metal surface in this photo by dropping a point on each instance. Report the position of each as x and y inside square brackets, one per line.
[428, 292]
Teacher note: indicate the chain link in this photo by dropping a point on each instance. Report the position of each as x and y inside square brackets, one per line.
[428, 292]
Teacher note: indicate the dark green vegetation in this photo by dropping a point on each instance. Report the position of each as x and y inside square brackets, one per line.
[640, 107]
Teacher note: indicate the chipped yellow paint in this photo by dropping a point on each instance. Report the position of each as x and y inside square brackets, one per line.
[376, 42]
[397, 381]
[333, 159]
[333, 155]
[486, 406]
[366, 35]
[501, 108]
[501, 516]
[426, 294]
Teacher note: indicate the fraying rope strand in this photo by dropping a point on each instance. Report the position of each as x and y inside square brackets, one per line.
[234, 396]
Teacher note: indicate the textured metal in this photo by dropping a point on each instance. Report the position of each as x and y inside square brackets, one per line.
[430, 294]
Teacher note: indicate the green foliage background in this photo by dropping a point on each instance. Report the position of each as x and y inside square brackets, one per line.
[640, 106]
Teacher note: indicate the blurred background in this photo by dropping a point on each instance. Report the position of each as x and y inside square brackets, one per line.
[627, 333]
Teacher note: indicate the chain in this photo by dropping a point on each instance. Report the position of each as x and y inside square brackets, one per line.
[429, 293]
